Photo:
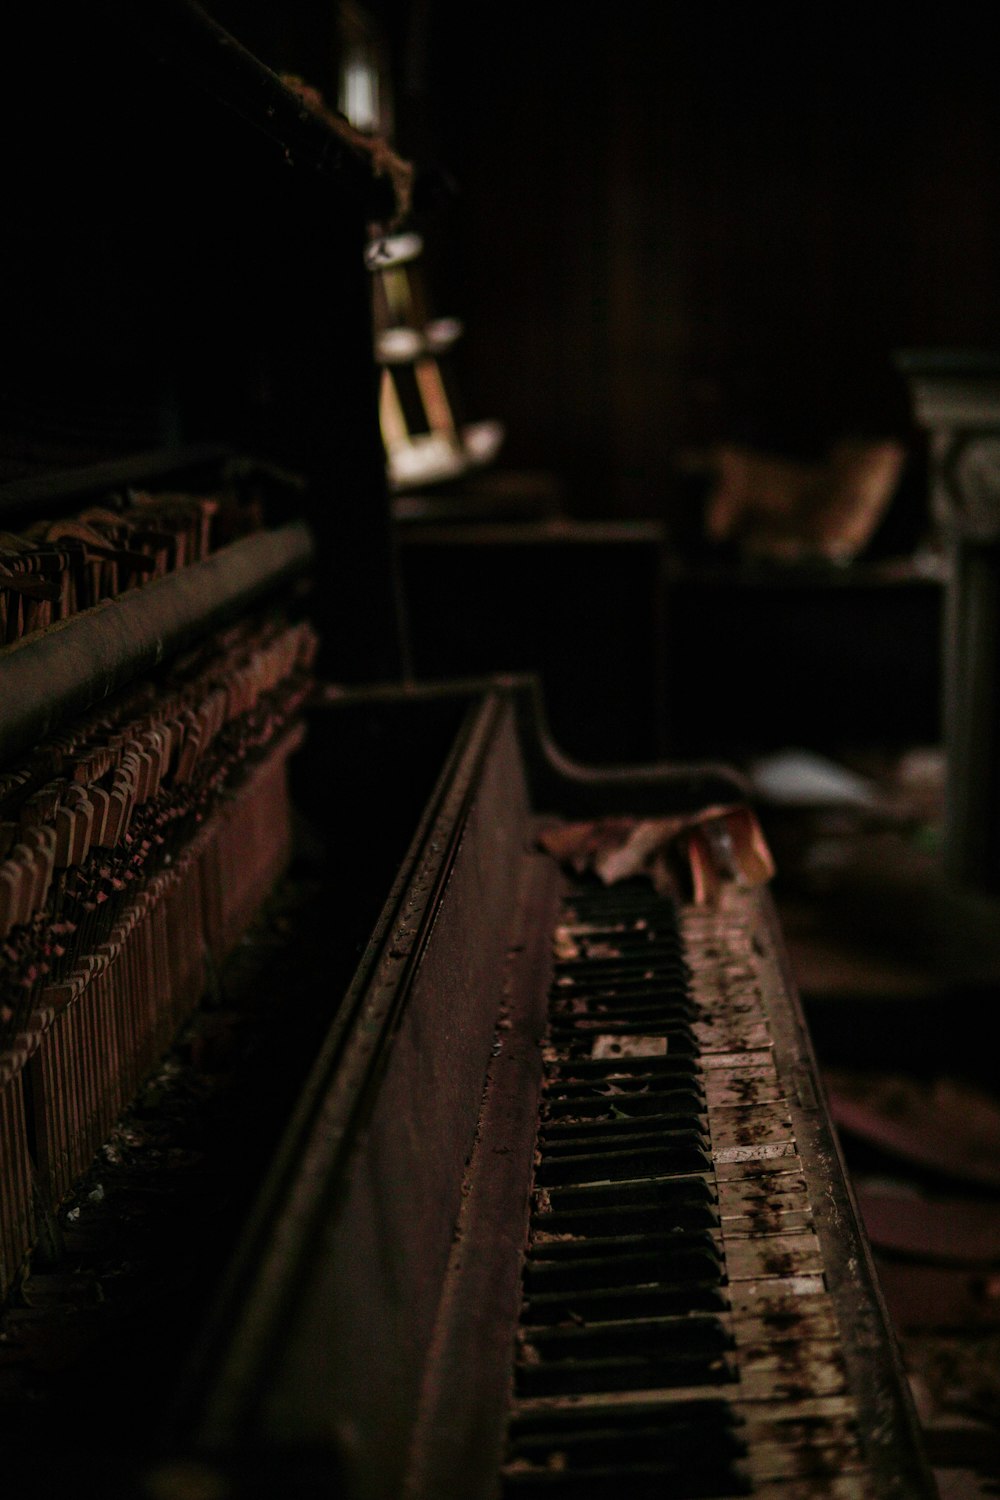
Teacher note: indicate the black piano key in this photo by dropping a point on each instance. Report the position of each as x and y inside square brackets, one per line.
[590, 1137]
[647, 1218]
[622, 1267]
[665, 1191]
[689, 1477]
[660, 1370]
[695, 1336]
[685, 1156]
[597, 1104]
[657, 1298]
[580, 1069]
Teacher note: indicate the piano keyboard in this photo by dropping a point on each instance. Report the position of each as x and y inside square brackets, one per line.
[560, 1209]
[564, 1214]
[676, 1334]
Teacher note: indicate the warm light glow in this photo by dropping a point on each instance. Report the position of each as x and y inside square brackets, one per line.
[359, 92]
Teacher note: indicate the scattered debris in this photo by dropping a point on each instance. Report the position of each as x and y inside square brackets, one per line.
[689, 856]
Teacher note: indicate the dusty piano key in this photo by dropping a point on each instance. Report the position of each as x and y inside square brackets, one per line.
[772, 1216]
[693, 1450]
[787, 1254]
[683, 1152]
[600, 1103]
[802, 1445]
[613, 1356]
[600, 1250]
[790, 1372]
[753, 1083]
[764, 1204]
[617, 1133]
[672, 1194]
[626, 1260]
[702, 1291]
[750, 1125]
[599, 1015]
[843, 1486]
[675, 1039]
[652, 1068]
[735, 1036]
[606, 1220]
[624, 971]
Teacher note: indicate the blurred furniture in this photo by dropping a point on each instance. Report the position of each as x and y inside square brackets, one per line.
[957, 397]
[581, 603]
[761, 655]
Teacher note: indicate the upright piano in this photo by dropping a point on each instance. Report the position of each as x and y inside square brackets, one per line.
[523, 1182]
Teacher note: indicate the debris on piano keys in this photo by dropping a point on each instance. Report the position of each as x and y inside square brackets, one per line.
[690, 854]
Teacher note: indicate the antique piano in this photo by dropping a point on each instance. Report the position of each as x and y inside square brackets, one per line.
[524, 1182]
[558, 1204]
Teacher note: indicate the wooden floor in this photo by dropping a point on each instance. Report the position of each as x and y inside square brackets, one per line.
[899, 976]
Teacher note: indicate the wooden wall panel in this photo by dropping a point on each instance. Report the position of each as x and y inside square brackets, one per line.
[682, 223]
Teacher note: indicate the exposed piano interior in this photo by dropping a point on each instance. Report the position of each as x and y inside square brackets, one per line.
[350, 1142]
